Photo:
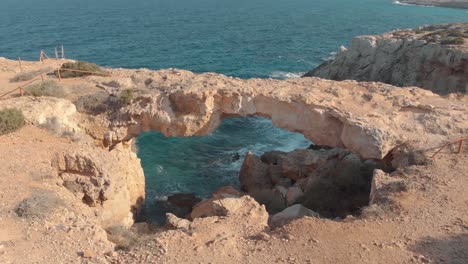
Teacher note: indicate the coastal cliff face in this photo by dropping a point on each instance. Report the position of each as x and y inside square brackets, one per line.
[433, 57]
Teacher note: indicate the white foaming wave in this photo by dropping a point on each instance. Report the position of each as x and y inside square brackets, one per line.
[406, 4]
[332, 56]
[286, 75]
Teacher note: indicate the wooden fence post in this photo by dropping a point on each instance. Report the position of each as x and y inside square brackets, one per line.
[58, 73]
[19, 61]
[56, 53]
[460, 147]
[63, 53]
[21, 91]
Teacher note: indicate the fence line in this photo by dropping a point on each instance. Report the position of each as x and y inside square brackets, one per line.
[460, 145]
[21, 89]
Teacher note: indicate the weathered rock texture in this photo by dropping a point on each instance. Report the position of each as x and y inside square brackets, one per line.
[113, 182]
[424, 57]
[333, 183]
[369, 119]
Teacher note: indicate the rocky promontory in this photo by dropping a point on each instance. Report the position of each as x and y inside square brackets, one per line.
[431, 57]
[440, 3]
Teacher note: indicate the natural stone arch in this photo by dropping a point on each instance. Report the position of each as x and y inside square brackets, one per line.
[369, 119]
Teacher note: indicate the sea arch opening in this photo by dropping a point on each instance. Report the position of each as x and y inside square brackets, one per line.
[201, 164]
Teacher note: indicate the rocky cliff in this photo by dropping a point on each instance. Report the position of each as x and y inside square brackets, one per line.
[431, 57]
[441, 3]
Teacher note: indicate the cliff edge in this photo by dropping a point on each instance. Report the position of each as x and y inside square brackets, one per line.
[431, 57]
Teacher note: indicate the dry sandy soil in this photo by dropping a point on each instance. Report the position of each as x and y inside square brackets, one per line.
[42, 222]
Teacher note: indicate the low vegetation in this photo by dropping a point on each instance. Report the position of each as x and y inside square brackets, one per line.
[96, 104]
[11, 120]
[453, 41]
[27, 76]
[46, 88]
[41, 204]
[81, 66]
[126, 96]
[122, 237]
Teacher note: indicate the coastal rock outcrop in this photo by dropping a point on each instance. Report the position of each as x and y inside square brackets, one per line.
[431, 57]
[369, 119]
[113, 182]
[331, 182]
[441, 3]
[55, 114]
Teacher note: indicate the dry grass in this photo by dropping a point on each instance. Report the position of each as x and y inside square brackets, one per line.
[11, 120]
[26, 76]
[79, 65]
[41, 204]
[46, 88]
[122, 237]
[97, 103]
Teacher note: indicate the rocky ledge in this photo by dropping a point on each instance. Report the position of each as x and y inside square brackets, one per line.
[431, 57]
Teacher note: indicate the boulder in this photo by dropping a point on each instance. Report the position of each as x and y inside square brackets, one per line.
[245, 205]
[174, 222]
[293, 194]
[226, 192]
[254, 174]
[287, 215]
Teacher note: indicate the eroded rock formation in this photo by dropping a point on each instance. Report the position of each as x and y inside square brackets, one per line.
[432, 57]
[111, 181]
[333, 182]
[369, 119]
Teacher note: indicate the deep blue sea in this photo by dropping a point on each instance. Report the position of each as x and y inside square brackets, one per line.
[243, 38]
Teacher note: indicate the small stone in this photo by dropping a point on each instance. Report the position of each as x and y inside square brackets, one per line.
[88, 254]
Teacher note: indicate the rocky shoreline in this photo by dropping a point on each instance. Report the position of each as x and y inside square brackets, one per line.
[440, 3]
[432, 57]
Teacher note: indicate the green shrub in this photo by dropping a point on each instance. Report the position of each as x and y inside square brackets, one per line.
[26, 76]
[10, 120]
[126, 96]
[453, 41]
[46, 88]
[79, 65]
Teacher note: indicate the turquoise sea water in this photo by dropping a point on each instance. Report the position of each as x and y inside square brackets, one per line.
[243, 38]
